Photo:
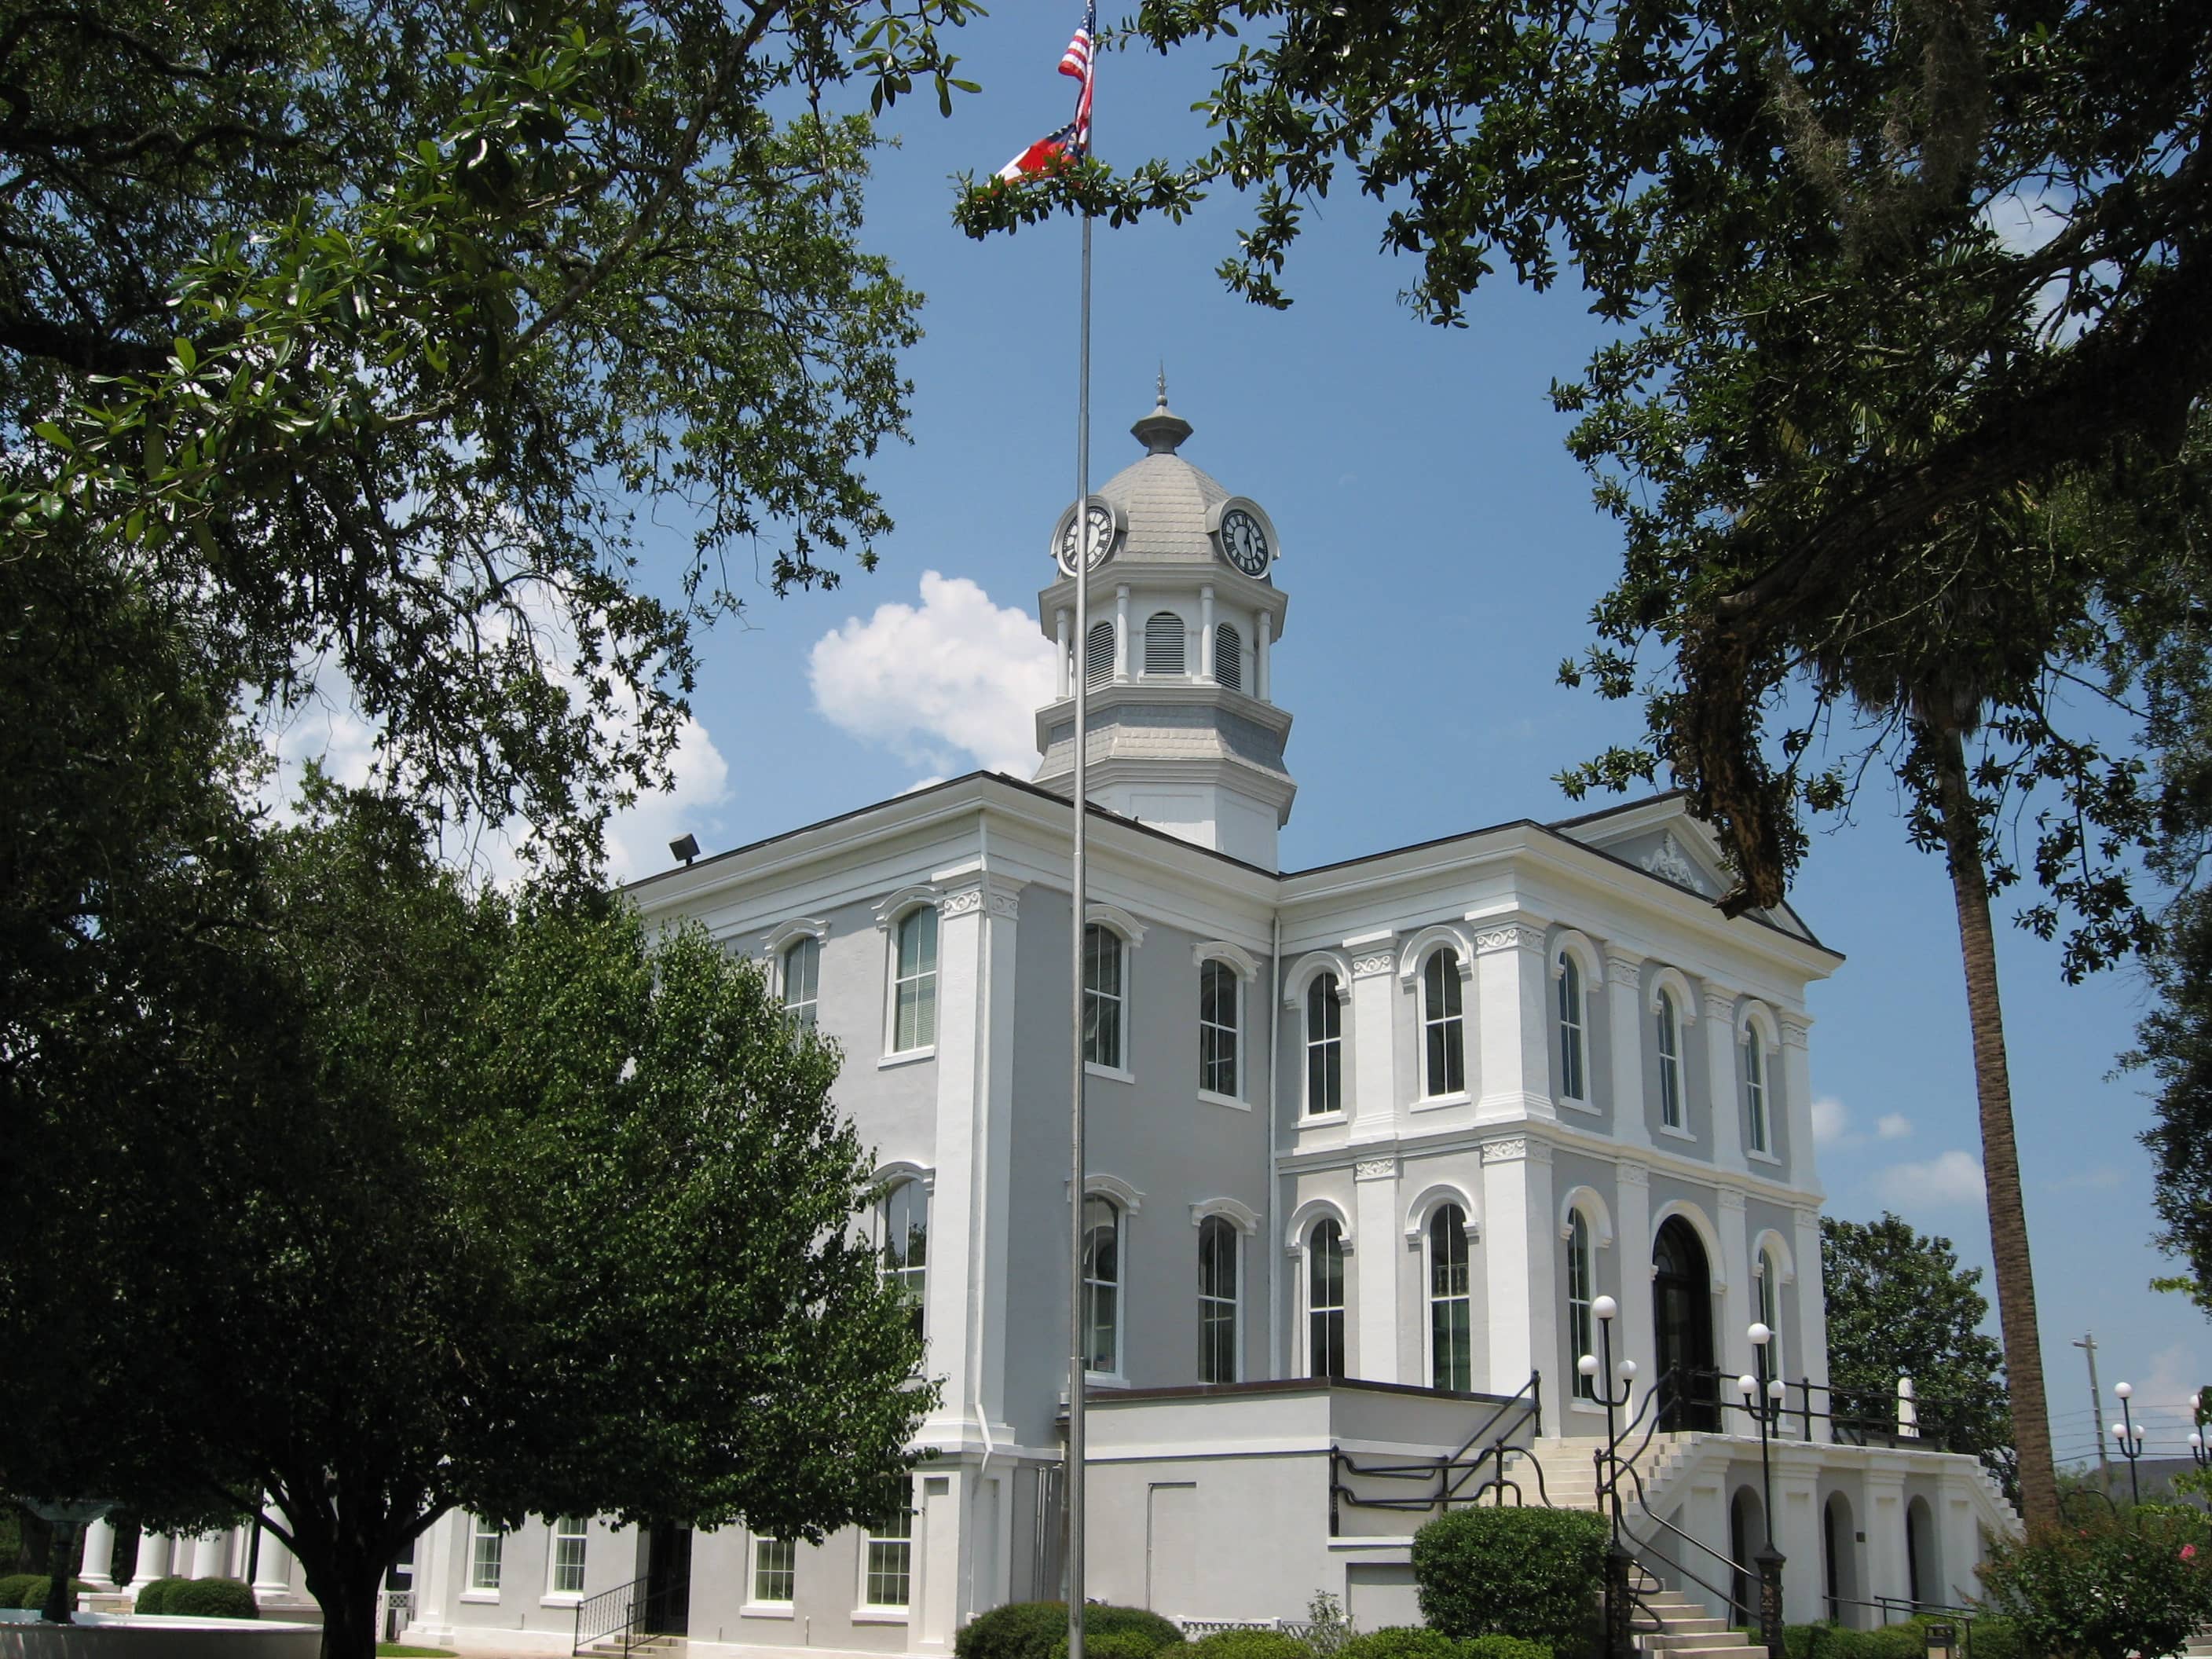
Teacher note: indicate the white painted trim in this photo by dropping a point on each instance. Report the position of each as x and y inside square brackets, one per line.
[1670, 978]
[1708, 1235]
[1241, 961]
[1308, 966]
[1096, 1184]
[1243, 1218]
[888, 1176]
[1111, 1073]
[1207, 1098]
[1114, 916]
[1572, 941]
[893, 906]
[1413, 955]
[1751, 1014]
[785, 934]
[1591, 1202]
[1308, 1214]
[1418, 1213]
[1770, 1243]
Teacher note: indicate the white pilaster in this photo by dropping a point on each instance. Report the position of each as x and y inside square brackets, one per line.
[1517, 1264]
[1811, 1351]
[1624, 1001]
[1063, 624]
[1797, 1535]
[1720, 1074]
[1120, 633]
[938, 1540]
[1375, 1259]
[438, 1579]
[1634, 1337]
[272, 1570]
[1730, 1345]
[96, 1565]
[1373, 1042]
[1263, 630]
[1705, 1516]
[1889, 1570]
[155, 1551]
[1206, 632]
[1510, 1001]
[1797, 1101]
[1958, 1547]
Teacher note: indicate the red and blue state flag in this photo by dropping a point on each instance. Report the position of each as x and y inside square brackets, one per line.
[1073, 142]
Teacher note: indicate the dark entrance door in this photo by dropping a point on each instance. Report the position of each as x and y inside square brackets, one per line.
[1682, 1315]
[668, 1580]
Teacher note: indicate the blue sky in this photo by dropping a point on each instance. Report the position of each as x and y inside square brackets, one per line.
[1442, 556]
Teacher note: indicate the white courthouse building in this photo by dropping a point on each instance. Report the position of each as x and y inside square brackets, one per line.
[1367, 1142]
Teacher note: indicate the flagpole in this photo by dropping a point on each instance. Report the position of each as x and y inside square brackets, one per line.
[1077, 1354]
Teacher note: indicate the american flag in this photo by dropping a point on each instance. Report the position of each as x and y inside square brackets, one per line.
[1071, 142]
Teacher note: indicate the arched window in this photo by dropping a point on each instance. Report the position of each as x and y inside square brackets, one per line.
[1217, 1300]
[1103, 996]
[1442, 1023]
[1325, 1300]
[1670, 1061]
[1098, 654]
[1229, 658]
[1582, 1336]
[802, 971]
[1163, 643]
[1324, 1047]
[1572, 1069]
[1451, 1328]
[1101, 1285]
[1767, 1286]
[1217, 1027]
[914, 1013]
[1755, 1089]
[903, 1218]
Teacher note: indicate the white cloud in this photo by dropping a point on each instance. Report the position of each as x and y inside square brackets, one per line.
[638, 836]
[952, 684]
[1893, 1126]
[1831, 1119]
[1949, 1181]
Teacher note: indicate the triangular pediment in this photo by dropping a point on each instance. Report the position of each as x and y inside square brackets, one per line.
[1659, 838]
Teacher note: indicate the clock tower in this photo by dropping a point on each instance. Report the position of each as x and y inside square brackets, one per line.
[1184, 734]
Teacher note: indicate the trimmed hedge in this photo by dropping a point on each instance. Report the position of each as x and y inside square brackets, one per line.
[1038, 1630]
[155, 1598]
[1503, 1647]
[28, 1590]
[1529, 1573]
[12, 1586]
[1988, 1637]
[213, 1598]
[1420, 1642]
[1250, 1644]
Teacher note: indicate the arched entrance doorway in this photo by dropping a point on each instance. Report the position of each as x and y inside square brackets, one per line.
[1682, 1316]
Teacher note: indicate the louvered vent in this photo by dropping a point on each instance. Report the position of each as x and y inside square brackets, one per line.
[1229, 658]
[1163, 643]
[1098, 656]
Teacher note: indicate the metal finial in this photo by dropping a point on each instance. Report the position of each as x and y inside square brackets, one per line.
[1164, 384]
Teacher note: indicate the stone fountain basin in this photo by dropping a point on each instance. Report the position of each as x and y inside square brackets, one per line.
[152, 1636]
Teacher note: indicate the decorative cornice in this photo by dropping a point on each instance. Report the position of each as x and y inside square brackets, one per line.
[993, 894]
[1114, 917]
[1375, 1169]
[1631, 1175]
[1512, 936]
[892, 906]
[1242, 1217]
[1805, 1217]
[1371, 967]
[785, 934]
[1241, 962]
[1730, 1199]
[1505, 1151]
[1669, 862]
[1622, 970]
[1793, 1035]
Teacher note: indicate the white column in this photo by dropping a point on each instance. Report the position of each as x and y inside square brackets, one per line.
[1063, 625]
[272, 1568]
[1375, 1255]
[1889, 1570]
[1705, 1517]
[939, 1543]
[1120, 633]
[1798, 1101]
[1797, 1535]
[1374, 1038]
[437, 1580]
[1263, 629]
[1513, 1056]
[1624, 1001]
[95, 1566]
[1731, 1347]
[155, 1550]
[1515, 1264]
[1206, 632]
[1720, 1074]
[1633, 1337]
[1958, 1544]
[1811, 1350]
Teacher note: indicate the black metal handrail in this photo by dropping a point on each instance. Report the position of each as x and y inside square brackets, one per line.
[1450, 1475]
[620, 1609]
[1856, 1417]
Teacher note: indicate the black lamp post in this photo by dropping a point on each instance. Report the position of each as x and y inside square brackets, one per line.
[2129, 1438]
[1760, 1392]
[1619, 1640]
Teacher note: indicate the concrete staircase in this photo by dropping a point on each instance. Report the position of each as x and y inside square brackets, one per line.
[610, 1647]
[1669, 1624]
[1570, 1477]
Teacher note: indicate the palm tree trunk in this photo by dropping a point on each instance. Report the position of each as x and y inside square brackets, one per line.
[2015, 1279]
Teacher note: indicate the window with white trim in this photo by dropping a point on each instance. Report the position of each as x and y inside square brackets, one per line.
[890, 1548]
[1325, 1300]
[1443, 1024]
[1101, 1285]
[1099, 655]
[1103, 996]
[775, 1568]
[1163, 643]
[913, 1016]
[1218, 986]
[802, 975]
[568, 1539]
[1754, 1090]
[1228, 658]
[1324, 1047]
[1581, 1335]
[1670, 1060]
[903, 1218]
[1217, 1300]
[1768, 1288]
[487, 1544]
[1451, 1326]
[1572, 1059]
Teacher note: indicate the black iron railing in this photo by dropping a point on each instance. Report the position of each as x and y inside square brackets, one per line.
[1480, 1466]
[626, 1614]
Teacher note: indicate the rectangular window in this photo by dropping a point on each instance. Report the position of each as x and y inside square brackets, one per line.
[802, 973]
[1755, 1089]
[1324, 1047]
[1217, 1029]
[1217, 1301]
[1441, 1019]
[1571, 1029]
[1102, 997]
[1670, 1063]
[775, 1568]
[1580, 1335]
[915, 1019]
[568, 1555]
[1325, 1301]
[484, 1556]
[890, 1549]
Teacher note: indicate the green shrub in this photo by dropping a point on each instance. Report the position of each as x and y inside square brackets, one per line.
[13, 1586]
[155, 1598]
[1996, 1637]
[1250, 1644]
[2108, 1590]
[1400, 1642]
[1503, 1647]
[1038, 1630]
[30, 1589]
[213, 1598]
[1526, 1572]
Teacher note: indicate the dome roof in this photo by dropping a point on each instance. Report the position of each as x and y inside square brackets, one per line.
[1166, 498]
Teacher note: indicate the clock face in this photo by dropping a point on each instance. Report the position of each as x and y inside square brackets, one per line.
[1244, 542]
[1100, 518]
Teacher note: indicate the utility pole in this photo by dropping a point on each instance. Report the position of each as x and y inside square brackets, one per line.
[2088, 1345]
